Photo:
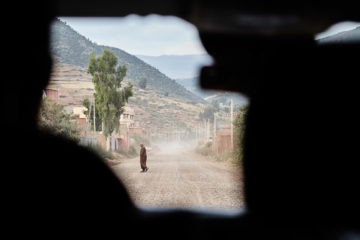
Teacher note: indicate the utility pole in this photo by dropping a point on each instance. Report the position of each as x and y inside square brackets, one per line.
[214, 132]
[88, 122]
[231, 126]
[208, 130]
[176, 133]
[196, 133]
[203, 130]
[94, 118]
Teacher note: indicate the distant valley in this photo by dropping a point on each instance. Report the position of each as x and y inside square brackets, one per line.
[185, 69]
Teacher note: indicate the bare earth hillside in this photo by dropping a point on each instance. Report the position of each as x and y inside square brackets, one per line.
[162, 111]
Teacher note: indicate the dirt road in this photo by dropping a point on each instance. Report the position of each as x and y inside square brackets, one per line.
[181, 178]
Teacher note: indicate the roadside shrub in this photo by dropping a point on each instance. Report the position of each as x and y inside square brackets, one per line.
[239, 131]
[52, 117]
[225, 156]
[132, 151]
[205, 149]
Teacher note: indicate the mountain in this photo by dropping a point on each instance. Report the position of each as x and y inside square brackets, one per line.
[178, 66]
[343, 37]
[69, 47]
[192, 84]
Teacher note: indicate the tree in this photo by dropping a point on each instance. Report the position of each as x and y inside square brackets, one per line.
[216, 105]
[208, 113]
[239, 130]
[142, 83]
[53, 118]
[109, 97]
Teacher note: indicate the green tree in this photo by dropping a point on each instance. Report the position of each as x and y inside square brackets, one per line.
[53, 118]
[239, 130]
[215, 104]
[209, 111]
[142, 83]
[109, 97]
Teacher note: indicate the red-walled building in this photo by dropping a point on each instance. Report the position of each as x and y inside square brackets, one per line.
[52, 93]
[222, 141]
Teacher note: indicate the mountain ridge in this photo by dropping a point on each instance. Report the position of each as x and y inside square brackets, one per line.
[70, 47]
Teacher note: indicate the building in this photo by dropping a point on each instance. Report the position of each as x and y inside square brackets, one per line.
[78, 113]
[51, 93]
[121, 139]
[127, 117]
[222, 141]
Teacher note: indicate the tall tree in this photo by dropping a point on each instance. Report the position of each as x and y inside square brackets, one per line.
[109, 97]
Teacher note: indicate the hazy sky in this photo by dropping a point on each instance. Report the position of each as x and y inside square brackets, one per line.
[152, 35]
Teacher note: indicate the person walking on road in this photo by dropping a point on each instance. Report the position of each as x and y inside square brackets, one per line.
[143, 158]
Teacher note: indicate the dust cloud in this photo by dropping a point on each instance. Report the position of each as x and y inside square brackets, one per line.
[172, 147]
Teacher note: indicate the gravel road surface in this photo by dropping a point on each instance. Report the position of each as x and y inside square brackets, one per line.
[178, 177]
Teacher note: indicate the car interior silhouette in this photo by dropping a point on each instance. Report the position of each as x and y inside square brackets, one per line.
[301, 175]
